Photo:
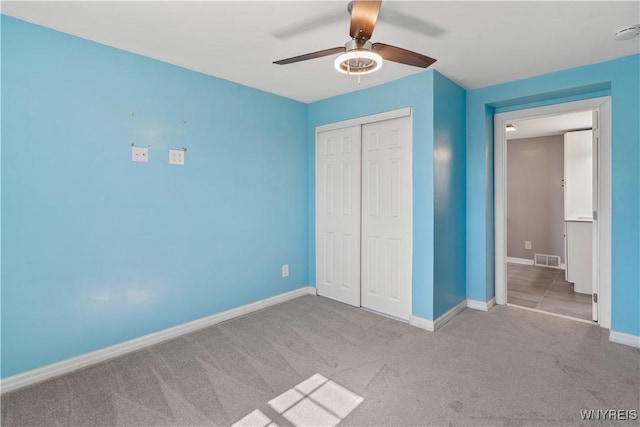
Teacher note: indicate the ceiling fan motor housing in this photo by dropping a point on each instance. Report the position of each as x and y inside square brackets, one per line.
[358, 58]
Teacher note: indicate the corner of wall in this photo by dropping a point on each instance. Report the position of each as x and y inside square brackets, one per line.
[450, 185]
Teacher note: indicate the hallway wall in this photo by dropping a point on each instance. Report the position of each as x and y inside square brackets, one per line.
[535, 196]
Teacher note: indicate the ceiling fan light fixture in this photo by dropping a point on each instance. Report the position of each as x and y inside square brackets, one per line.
[358, 61]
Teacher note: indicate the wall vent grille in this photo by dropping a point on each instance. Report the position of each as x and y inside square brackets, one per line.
[545, 260]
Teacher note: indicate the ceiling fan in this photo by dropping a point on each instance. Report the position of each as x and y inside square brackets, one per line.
[359, 55]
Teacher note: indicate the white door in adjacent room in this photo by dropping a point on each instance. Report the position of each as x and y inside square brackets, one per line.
[387, 217]
[338, 214]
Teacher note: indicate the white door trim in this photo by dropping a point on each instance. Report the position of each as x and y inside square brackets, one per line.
[500, 192]
[359, 121]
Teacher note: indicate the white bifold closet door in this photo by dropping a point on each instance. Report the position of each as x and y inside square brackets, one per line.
[387, 217]
[364, 216]
[338, 215]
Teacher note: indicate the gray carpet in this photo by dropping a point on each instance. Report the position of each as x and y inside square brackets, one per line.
[505, 367]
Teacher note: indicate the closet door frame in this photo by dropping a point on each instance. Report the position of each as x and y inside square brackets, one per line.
[359, 121]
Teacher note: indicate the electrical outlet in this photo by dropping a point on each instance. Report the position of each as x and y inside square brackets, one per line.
[285, 270]
[176, 157]
[527, 244]
[139, 154]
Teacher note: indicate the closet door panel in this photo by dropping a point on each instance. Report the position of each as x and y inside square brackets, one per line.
[338, 189]
[387, 217]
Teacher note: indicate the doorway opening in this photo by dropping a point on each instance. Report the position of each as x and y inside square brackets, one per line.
[552, 209]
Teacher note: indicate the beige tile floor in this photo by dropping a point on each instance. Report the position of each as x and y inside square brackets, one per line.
[545, 289]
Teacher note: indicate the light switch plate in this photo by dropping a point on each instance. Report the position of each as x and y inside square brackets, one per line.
[176, 157]
[285, 270]
[139, 154]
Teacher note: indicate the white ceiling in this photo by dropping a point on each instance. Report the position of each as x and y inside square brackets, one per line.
[476, 43]
[553, 125]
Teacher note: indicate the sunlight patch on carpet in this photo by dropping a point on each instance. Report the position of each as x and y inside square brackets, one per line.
[316, 401]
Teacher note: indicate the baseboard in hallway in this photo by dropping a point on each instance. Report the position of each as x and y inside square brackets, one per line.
[522, 261]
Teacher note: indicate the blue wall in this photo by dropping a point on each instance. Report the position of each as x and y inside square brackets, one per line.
[414, 91]
[620, 79]
[449, 194]
[97, 249]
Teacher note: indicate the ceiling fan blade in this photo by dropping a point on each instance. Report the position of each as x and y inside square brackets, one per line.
[308, 25]
[411, 23]
[363, 18]
[312, 55]
[403, 56]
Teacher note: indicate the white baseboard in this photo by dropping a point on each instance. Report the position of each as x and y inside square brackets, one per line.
[481, 305]
[422, 323]
[626, 339]
[65, 366]
[523, 261]
[450, 314]
[434, 325]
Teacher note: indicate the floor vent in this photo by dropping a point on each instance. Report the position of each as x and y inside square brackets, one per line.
[545, 260]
